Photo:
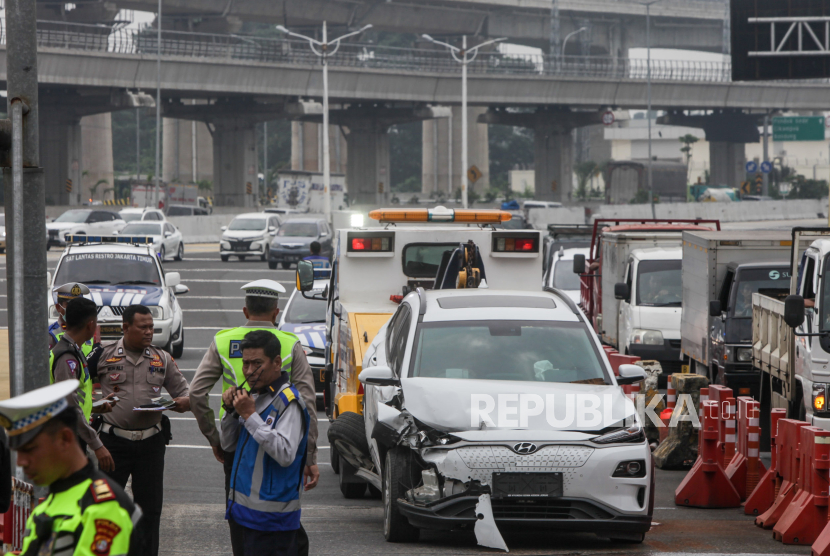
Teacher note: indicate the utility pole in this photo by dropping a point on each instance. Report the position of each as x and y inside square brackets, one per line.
[765, 191]
[138, 147]
[158, 107]
[265, 156]
[23, 183]
[554, 52]
[648, 111]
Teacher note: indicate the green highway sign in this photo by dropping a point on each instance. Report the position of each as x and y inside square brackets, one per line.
[800, 128]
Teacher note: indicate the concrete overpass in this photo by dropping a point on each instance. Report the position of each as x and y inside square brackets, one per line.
[243, 81]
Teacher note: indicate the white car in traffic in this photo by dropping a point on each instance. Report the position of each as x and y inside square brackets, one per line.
[90, 222]
[561, 275]
[248, 234]
[167, 239]
[473, 418]
[119, 275]
[140, 214]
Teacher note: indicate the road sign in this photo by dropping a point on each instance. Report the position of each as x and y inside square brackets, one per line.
[801, 128]
[766, 167]
[608, 118]
[474, 174]
[751, 167]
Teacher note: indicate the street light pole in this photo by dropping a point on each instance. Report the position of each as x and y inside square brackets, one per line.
[323, 50]
[648, 112]
[568, 37]
[158, 106]
[463, 56]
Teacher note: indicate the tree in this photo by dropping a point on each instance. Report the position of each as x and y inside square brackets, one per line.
[688, 140]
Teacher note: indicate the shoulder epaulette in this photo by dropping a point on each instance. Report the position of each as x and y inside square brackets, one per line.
[101, 491]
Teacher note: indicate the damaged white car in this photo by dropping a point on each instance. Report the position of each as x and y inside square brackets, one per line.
[497, 410]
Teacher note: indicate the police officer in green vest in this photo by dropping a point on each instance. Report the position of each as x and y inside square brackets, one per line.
[67, 362]
[85, 513]
[223, 361]
[61, 296]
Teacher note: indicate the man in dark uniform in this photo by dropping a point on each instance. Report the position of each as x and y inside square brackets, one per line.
[136, 371]
[85, 514]
[67, 362]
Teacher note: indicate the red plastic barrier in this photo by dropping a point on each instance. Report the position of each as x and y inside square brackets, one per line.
[704, 397]
[726, 426]
[746, 467]
[706, 485]
[14, 520]
[764, 494]
[787, 466]
[806, 516]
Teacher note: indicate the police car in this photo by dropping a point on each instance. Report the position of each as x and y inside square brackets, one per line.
[121, 271]
[306, 317]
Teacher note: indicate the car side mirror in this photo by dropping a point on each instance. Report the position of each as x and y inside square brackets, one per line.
[181, 289]
[579, 264]
[168, 234]
[794, 311]
[715, 309]
[172, 279]
[379, 376]
[622, 291]
[224, 228]
[272, 229]
[305, 276]
[630, 374]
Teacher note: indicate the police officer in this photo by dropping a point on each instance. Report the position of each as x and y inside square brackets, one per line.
[61, 296]
[136, 371]
[67, 362]
[85, 513]
[224, 360]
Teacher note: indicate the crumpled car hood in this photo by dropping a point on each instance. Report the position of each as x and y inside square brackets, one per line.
[447, 404]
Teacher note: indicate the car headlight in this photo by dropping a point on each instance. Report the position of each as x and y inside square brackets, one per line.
[743, 355]
[156, 311]
[256, 244]
[647, 337]
[633, 433]
[820, 397]
[632, 469]
[225, 245]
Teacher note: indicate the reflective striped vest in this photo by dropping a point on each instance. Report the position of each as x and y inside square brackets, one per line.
[263, 494]
[228, 343]
[85, 389]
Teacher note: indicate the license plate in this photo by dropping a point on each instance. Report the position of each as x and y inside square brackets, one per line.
[527, 485]
[240, 247]
[291, 259]
[112, 329]
[684, 369]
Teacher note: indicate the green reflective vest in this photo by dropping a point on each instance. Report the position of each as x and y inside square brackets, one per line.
[84, 391]
[84, 515]
[86, 348]
[227, 344]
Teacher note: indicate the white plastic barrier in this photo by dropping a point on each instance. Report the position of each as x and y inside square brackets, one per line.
[745, 211]
[539, 218]
[201, 229]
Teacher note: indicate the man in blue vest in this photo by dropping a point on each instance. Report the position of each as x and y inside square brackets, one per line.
[268, 430]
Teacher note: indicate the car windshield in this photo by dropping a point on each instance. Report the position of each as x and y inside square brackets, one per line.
[141, 229]
[75, 216]
[421, 260]
[659, 283]
[564, 277]
[767, 281]
[130, 216]
[247, 224]
[302, 310]
[528, 351]
[108, 268]
[298, 229]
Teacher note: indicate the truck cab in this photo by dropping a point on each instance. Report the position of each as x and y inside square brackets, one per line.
[650, 306]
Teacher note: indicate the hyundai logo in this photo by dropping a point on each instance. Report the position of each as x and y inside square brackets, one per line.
[525, 448]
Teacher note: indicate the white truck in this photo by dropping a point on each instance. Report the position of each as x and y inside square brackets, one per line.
[721, 271]
[144, 195]
[791, 338]
[303, 191]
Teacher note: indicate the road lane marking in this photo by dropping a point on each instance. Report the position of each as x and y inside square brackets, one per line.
[234, 270]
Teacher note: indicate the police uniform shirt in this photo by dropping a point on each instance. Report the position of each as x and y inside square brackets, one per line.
[70, 366]
[136, 378]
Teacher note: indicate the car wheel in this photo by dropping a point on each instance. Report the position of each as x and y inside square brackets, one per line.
[162, 253]
[180, 253]
[264, 256]
[178, 350]
[241, 257]
[350, 491]
[224, 258]
[272, 265]
[348, 434]
[286, 266]
[397, 472]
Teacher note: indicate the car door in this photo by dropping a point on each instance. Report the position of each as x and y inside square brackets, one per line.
[804, 346]
[325, 239]
[95, 223]
[171, 242]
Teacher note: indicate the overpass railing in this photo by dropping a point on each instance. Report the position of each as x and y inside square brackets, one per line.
[126, 40]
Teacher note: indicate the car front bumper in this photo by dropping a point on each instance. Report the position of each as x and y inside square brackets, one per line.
[280, 255]
[242, 248]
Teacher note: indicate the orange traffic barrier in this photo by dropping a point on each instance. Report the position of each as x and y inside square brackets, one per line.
[806, 516]
[726, 425]
[764, 494]
[14, 520]
[671, 395]
[706, 485]
[787, 465]
[746, 468]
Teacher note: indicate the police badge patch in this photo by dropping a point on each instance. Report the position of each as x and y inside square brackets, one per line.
[105, 533]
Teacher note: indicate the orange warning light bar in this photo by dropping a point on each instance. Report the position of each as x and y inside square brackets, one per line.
[441, 214]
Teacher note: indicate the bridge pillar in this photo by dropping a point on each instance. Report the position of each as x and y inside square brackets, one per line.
[234, 163]
[307, 148]
[728, 132]
[367, 169]
[61, 151]
[177, 146]
[553, 153]
[436, 152]
[97, 173]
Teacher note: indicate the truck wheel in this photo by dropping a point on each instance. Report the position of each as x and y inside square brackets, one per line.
[397, 472]
[224, 258]
[335, 460]
[348, 434]
[286, 266]
[272, 265]
[350, 491]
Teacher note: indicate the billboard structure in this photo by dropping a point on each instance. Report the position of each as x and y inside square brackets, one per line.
[775, 39]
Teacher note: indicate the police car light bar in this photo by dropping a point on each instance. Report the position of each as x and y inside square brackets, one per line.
[131, 240]
[441, 214]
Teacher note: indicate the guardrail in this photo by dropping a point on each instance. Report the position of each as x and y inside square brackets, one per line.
[119, 39]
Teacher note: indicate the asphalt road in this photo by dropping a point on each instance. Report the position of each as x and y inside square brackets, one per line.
[193, 519]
